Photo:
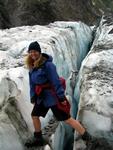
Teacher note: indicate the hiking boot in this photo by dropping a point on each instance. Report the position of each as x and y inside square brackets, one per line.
[88, 139]
[86, 136]
[37, 140]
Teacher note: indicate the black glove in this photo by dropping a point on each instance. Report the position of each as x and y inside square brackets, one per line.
[62, 99]
[33, 99]
[87, 137]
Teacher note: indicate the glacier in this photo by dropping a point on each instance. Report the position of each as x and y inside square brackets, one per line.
[68, 43]
[96, 89]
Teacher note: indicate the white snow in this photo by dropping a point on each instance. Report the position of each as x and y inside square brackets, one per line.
[96, 85]
[67, 42]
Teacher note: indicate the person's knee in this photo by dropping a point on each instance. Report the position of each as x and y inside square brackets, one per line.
[35, 117]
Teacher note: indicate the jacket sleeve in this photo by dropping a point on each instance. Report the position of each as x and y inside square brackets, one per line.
[53, 77]
[32, 90]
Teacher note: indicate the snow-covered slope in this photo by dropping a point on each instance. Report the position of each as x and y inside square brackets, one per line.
[96, 87]
[67, 42]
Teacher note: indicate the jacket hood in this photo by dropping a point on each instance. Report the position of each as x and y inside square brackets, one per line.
[48, 57]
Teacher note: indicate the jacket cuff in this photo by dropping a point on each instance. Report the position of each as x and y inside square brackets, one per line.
[62, 99]
[33, 99]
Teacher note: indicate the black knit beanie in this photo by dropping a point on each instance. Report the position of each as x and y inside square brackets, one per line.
[34, 46]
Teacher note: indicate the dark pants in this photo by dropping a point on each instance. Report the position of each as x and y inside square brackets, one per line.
[41, 110]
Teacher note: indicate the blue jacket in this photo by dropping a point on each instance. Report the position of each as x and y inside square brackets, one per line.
[46, 74]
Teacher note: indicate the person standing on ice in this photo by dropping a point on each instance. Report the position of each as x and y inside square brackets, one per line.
[45, 91]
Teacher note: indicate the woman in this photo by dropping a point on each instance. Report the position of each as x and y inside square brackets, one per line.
[41, 72]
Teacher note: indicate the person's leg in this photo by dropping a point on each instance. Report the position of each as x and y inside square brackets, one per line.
[76, 125]
[36, 123]
[37, 139]
[79, 128]
[38, 110]
[63, 116]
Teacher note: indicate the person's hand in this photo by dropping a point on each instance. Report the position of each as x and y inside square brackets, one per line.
[33, 99]
[62, 99]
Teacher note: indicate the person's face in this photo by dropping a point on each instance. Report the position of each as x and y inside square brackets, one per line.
[34, 54]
